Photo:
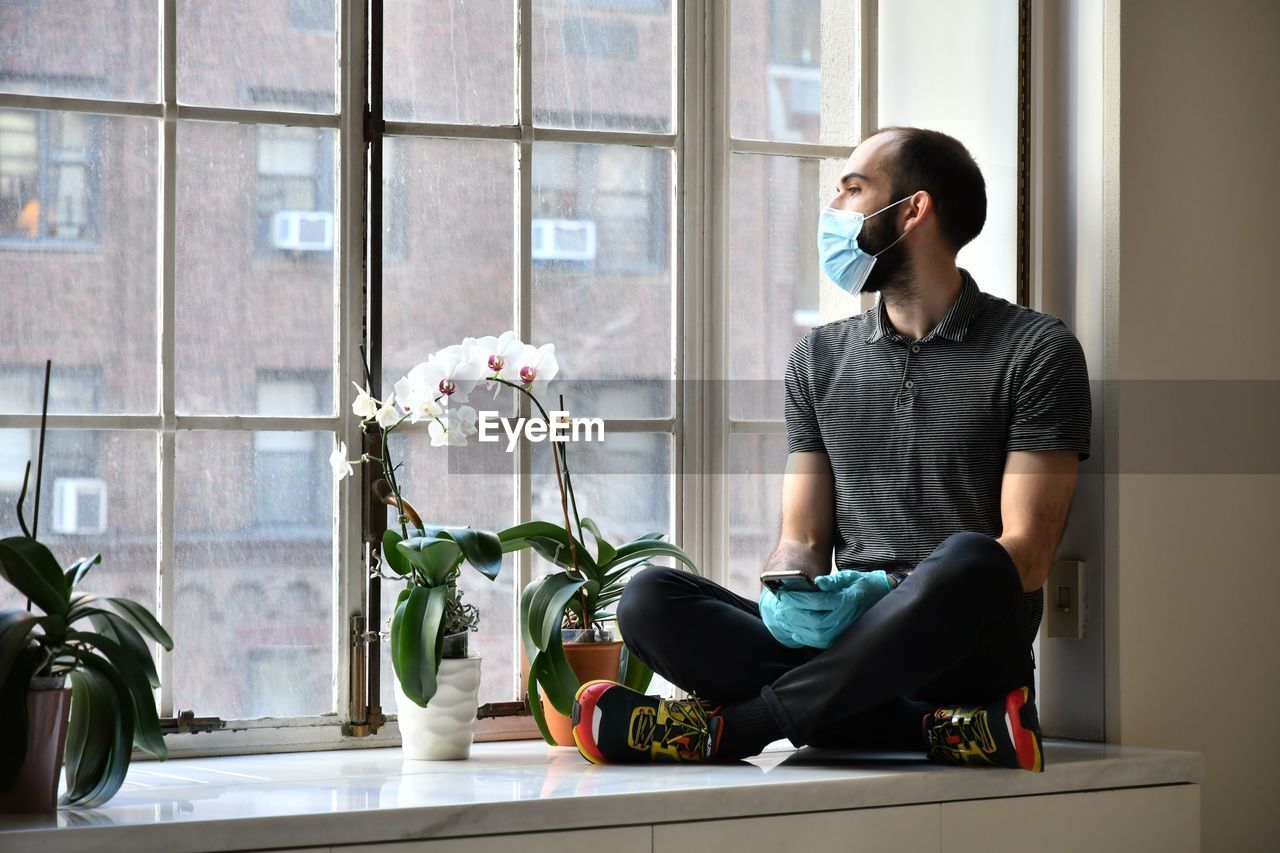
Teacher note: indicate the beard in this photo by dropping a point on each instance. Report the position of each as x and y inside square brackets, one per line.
[891, 268]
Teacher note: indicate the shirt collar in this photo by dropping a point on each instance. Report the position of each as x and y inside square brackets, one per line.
[953, 326]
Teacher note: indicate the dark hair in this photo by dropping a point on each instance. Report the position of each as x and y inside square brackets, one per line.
[941, 166]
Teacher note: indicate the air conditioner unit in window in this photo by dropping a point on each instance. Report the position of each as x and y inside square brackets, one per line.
[302, 230]
[79, 505]
[563, 240]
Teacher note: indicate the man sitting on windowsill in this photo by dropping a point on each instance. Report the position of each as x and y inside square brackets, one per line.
[936, 436]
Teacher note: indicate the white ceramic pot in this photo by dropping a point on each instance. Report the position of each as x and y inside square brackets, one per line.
[443, 730]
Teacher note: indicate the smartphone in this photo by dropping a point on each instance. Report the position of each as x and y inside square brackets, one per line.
[792, 580]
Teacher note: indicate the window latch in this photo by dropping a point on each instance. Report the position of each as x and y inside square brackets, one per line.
[188, 723]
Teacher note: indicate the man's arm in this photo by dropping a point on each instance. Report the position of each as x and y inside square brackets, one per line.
[808, 515]
[1035, 495]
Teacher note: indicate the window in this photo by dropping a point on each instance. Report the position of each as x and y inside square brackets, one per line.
[48, 177]
[295, 204]
[553, 196]
[291, 463]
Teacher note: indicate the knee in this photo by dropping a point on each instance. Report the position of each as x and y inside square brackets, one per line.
[968, 556]
[643, 598]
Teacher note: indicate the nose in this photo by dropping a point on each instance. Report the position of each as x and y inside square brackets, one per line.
[840, 201]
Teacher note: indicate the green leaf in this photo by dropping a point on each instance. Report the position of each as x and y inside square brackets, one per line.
[79, 569]
[482, 549]
[116, 628]
[142, 619]
[436, 558]
[90, 730]
[604, 551]
[15, 635]
[633, 672]
[32, 570]
[551, 541]
[398, 562]
[111, 698]
[138, 682]
[549, 595]
[417, 636]
[535, 707]
[556, 676]
[397, 619]
[653, 548]
[13, 710]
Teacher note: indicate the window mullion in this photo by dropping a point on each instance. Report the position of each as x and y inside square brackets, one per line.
[166, 315]
[523, 296]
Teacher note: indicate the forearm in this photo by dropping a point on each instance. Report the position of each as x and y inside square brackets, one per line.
[1032, 558]
[792, 554]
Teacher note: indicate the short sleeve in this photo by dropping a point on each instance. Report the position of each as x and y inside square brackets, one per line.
[1053, 409]
[802, 420]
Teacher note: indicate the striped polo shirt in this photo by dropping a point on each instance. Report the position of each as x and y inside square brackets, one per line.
[917, 430]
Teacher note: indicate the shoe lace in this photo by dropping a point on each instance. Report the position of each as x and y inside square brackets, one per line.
[684, 730]
[962, 735]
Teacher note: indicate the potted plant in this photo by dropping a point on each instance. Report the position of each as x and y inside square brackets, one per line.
[563, 614]
[110, 704]
[437, 681]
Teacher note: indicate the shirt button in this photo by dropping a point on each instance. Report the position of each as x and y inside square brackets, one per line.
[915, 348]
[907, 384]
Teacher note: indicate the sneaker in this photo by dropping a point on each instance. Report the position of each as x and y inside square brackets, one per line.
[1005, 733]
[613, 724]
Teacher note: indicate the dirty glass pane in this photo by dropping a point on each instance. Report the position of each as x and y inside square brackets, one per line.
[253, 577]
[603, 64]
[254, 285]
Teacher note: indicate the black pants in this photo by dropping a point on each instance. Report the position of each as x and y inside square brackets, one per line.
[956, 630]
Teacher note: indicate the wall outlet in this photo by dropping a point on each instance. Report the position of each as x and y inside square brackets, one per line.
[1064, 601]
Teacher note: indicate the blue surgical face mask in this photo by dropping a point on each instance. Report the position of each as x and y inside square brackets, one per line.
[842, 258]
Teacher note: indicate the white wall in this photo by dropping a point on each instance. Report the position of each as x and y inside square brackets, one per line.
[1195, 661]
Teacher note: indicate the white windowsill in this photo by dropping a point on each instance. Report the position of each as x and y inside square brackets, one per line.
[352, 796]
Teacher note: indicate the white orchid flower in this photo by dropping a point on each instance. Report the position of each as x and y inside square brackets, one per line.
[452, 373]
[536, 367]
[364, 406]
[388, 415]
[341, 465]
[418, 394]
[453, 428]
[498, 357]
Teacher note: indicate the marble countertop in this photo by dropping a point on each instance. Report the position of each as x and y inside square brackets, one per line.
[367, 795]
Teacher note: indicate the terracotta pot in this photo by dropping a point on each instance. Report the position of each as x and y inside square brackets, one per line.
[36, 788]
[590, 662]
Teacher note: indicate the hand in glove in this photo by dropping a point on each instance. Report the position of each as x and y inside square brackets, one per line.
[816, 618]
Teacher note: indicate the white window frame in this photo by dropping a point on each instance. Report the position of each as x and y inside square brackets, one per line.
[700, 427]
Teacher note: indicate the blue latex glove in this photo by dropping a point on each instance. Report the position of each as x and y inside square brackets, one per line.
[816, 619]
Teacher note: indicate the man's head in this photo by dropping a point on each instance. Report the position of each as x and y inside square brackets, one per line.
[947, 197]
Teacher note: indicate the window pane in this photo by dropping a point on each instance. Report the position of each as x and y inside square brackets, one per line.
[114, 52]
[602, 283]
[624, 483]
[473, 486]
[778, 89]
[221, 50]
[448, 248]
[98, 496]
[254, 284]
[603, 64]
[773, 268]
[253, 581]
[449, 61]
[78, 255]
[756, 466]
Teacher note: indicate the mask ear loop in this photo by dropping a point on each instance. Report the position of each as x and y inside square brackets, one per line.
[900, 236]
